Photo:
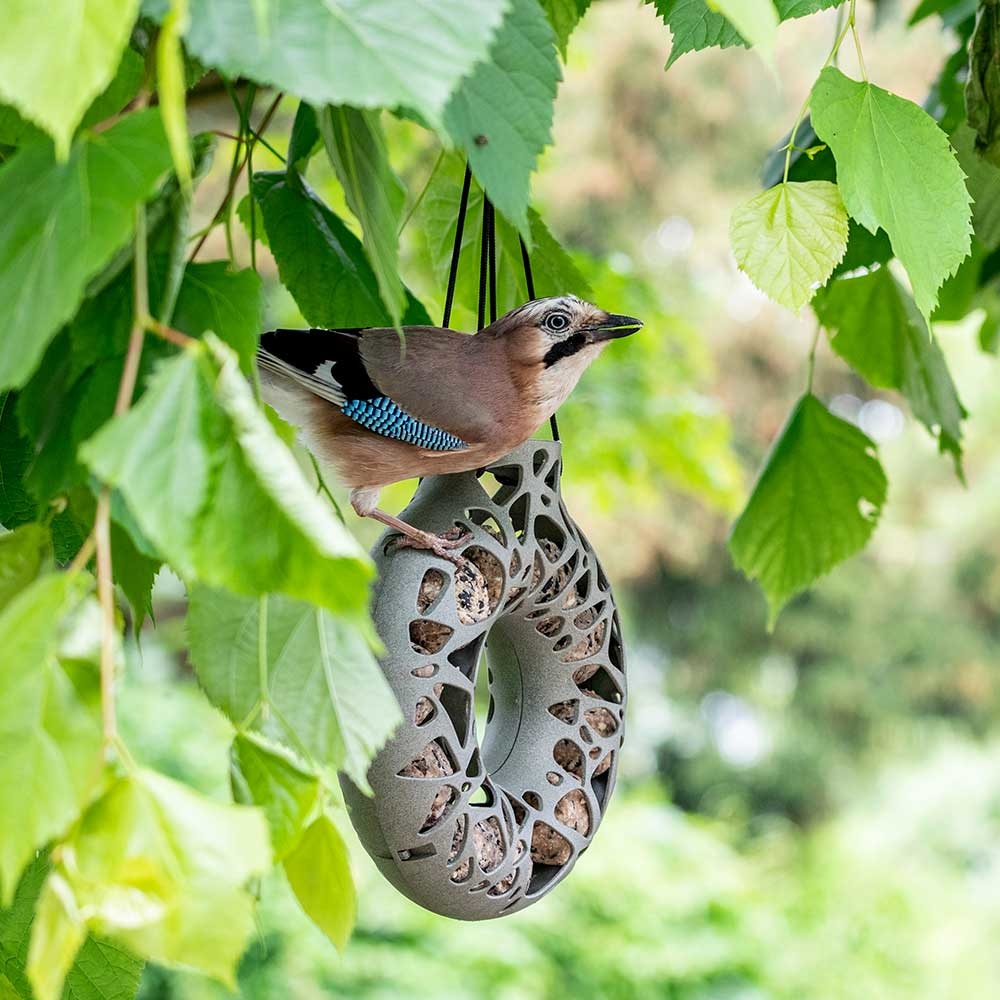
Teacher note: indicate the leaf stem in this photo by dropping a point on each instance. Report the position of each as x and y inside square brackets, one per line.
[812, 359]
[167, 333]
[83, 555]
[234, 176]
[102, 520]
[106, 597]
[852, 21]
[321, 487]
[831, 57]
[262, 678]
[423, 192]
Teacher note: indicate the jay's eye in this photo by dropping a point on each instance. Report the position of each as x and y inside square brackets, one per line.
[556, 322]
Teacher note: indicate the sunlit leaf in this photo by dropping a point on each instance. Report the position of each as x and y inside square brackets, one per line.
[328, 693]
[817, 501]
[86, 47]
[102, 970]
[921, 202]
[388, 53]
[319, 873]
[163, 871]
[171, 87]
[789, 238]
[24, 553]
[267, 775]
[203, 473]
[60, 223]
[56, 936]
[50, 733]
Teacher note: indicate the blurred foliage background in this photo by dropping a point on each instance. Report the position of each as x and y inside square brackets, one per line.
[809, 813]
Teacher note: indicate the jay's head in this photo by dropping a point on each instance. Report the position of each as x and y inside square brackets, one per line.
[561, 331]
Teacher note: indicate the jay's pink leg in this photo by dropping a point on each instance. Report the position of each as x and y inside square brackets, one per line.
[363, 501]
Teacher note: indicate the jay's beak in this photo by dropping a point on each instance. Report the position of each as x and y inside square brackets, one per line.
[613, 327]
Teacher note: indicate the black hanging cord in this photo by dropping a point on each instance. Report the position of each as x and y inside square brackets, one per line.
[456, 251]
[529, 281]
[487, 267]
[492, 228]
[526, 261]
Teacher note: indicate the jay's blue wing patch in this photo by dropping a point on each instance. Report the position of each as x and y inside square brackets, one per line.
[328, 363]
[384, 417]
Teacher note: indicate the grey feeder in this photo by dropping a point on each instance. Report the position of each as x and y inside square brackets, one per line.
[478, 829]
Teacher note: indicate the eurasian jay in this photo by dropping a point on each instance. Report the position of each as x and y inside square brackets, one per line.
[449, 402]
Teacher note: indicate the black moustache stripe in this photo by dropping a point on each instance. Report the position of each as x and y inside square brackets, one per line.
[564, 349]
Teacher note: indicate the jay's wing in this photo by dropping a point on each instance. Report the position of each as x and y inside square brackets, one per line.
[329, 363]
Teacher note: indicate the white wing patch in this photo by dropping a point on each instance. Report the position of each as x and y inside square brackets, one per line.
[321, 382]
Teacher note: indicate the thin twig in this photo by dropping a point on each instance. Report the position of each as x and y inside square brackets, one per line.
[83, 555]
[167, 333]
[834, 49]
[812, 359]
[106, 596]
[235, 176]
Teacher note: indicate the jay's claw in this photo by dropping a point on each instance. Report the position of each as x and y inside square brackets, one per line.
[442, 545]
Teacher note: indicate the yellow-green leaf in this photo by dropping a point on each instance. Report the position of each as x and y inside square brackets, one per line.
[319, 873]
[789, 239]
[163, 871]
[171, 88]
[56, 56]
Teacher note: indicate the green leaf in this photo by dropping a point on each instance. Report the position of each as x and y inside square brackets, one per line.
[409, 53]
[102, 970]
[123, 87]
[564, 15]
[755, 20]
[864, 249]
[305, 137]
[501, 115]
[320, 261]
[229, 303]
[554, 271]
[877, 329]
[319, 873]
[134, 572]
[83, 38]
[695, 25]
[50, 734]
[805, 512]
[60, 223]
[163, 870]
[24, 553]
[921, 202]
[16, 506]
[170, 85]
[983, 181]
[56, 936]
[202, 472]
[789, 238]
[327, 696]
[982, 89]
[266, 774]
[357, 150]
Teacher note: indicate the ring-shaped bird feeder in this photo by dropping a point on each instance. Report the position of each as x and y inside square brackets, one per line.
[478, 828]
